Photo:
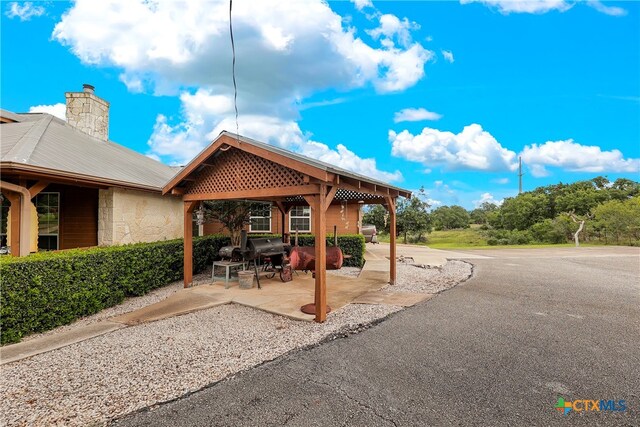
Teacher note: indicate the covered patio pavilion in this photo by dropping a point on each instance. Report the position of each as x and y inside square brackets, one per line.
[233, 167]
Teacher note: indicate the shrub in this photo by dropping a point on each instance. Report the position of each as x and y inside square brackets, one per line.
[509, 237]
[45, 290]
[548, 231]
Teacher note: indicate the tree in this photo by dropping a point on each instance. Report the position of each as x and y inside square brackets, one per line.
[412, 216]
[378, 216]
[580, 221]
[621, 218]
[233, 215]
[524, 210]
[450, 217]
[480, 214]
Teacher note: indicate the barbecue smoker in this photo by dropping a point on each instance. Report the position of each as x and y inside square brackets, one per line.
[269, 256]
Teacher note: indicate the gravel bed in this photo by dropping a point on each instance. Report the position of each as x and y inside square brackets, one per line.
[128, 305]
[93, 381]
[416, 278]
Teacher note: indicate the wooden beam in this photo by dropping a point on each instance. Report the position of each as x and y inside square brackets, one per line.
[311, 200]
[36, 188]
[296, 190]
[391, 206]
[188, 242]
[363, 189]
[330, 195]
[178, 191]
[281, 207]
[320, 219]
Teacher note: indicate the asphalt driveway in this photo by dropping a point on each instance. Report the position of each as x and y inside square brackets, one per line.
[529, 327]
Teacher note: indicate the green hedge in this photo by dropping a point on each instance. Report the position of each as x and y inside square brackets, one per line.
[46, 290]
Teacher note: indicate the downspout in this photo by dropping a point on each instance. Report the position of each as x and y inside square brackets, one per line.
[25, 217]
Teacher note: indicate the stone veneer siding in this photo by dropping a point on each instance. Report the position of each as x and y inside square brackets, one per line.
[88, 113]
[130, 216]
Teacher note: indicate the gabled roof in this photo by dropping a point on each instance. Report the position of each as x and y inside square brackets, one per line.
[44, 144]
[306, 165]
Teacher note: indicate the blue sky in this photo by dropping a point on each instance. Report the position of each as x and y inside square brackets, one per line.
[439, 94]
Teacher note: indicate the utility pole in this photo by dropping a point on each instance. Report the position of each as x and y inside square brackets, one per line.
[520, 175]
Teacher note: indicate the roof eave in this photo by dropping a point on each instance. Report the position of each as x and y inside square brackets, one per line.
[53, 174]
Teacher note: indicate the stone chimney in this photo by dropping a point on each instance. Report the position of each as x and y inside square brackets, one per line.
[88, 113]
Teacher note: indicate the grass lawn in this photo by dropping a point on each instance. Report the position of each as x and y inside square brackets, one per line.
[471, 238]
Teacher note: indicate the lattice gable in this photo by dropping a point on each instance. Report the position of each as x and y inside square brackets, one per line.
[237, 170]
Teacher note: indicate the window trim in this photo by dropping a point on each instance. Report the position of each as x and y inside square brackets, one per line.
[57, 235]
[251, 217]
[291, 216]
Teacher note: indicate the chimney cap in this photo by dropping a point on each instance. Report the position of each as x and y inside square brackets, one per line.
[88, 88]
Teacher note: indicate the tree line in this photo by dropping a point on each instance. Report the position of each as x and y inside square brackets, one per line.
[603, 211]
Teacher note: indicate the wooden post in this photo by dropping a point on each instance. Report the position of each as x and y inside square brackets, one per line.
[391, 203]
[188, 242]
[320, 222]
[20, 218]
[283, 212]
[14, 208]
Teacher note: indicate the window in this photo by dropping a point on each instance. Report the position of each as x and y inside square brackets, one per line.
[260, 218]
[300, 219]
[4, 213]
[48, 208]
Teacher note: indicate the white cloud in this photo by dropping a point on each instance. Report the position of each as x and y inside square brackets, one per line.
[205, 115]
[448, 56]
[285, 53]
[544, 6]
[25, 12]
[524, 6]
[500, 181]
[285, 50]
[391, 27]
[344, 158]
[471, 149]
[487, 198]
[607, 10]
[415, 115]
[59, 110]
[575, 157]
[361, 4]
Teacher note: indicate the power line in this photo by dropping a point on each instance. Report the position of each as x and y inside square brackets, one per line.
[233, 69]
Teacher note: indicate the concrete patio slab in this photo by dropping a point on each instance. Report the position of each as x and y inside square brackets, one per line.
[21, 350]
[177, 304]
[402, 299]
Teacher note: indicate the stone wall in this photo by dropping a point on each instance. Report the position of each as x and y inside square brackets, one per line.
[88, 113]
[130, 216]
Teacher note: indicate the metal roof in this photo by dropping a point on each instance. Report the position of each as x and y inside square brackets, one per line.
[311, 162]
[44, 142]
[19, 117]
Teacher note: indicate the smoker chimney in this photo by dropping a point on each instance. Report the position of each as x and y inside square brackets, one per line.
[88, 113]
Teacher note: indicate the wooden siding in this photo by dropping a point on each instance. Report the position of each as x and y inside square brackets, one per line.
[344, 216]
[78, 216]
